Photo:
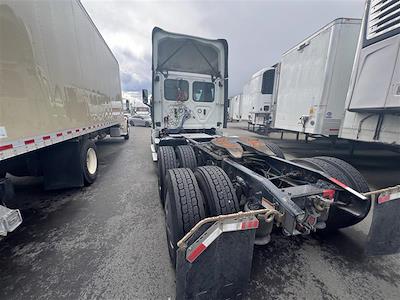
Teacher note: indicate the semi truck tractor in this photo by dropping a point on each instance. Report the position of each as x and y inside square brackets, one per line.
[222, 195]
[59, 92]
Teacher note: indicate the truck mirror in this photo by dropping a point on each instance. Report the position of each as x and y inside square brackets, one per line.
[145, 96]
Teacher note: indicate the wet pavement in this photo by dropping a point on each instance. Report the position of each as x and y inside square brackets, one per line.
[108, 240]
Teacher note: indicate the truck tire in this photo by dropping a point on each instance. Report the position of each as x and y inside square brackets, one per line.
[359, 182]
[219, 194]
[275, 149]
[338, 218]
[126, 136]
[186, 157]
[184, 206]
[166, 160]
[89, 161]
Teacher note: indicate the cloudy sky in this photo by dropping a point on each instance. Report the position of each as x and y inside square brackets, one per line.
[258, 32]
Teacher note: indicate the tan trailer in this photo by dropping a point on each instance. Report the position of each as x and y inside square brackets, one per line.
[59, 92]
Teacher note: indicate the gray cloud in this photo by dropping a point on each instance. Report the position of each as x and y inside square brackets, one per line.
[258, 32]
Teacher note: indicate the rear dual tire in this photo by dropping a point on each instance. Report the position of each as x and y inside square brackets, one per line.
[184, 206]
[166, 160]
[190, 197]
[348, 175]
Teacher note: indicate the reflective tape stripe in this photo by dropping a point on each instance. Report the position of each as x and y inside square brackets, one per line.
[347, 188]
[6, 147]
[18, 147]
[388, 197]
[196, 252]
[27, 142]
[201, 244]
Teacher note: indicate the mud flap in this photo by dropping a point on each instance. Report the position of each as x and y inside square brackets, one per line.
[222, 271]
[384, 234]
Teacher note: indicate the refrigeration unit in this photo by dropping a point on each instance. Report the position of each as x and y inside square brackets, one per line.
[372, 111]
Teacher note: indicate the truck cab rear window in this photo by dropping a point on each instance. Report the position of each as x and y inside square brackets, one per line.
[203, 91]
[176, 90]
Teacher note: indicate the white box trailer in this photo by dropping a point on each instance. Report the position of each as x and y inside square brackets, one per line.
[314, 78]
[234, 108]
[59, 91]
[245, 104]
[258, 94]
[373, 101]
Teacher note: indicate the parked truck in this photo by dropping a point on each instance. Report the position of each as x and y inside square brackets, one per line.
[222, 194]
[59, 92]
[314, 78]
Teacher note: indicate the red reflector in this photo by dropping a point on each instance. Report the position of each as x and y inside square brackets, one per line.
[341, 184]
[196, 252]
[69, 132]
[59, 134]
[6, 147]
[47, 137]
[27, 142]
[329, 194]
[250, 224]
[77, 130]
[311, 220]
[383, 199]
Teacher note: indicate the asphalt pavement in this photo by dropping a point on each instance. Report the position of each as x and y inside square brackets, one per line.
[107, 241]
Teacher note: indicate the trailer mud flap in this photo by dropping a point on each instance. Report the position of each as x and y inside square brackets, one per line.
[384, 234]
[220, 270]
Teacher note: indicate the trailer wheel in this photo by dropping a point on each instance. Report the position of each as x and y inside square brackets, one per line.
[275, 149]
[339, 218]
[218, 191]
[184, 206]
[89, 161]
[186, 157]
[166, 160]
[126, 136]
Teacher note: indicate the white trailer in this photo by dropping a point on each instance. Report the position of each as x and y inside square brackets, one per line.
[59, 91]
[258, 94]
[245, 104]
[372, 111]
[314, 78]
[235, 108]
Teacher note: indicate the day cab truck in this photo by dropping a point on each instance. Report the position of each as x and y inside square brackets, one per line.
[59, 92]
[222, 195]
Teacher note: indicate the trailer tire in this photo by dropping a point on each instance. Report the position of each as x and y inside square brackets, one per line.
[166, 160]
[186, 157]
[126, 136]
[338, 218]
[89, 161]
[275, 149]
[219, 194]
[184, 206]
